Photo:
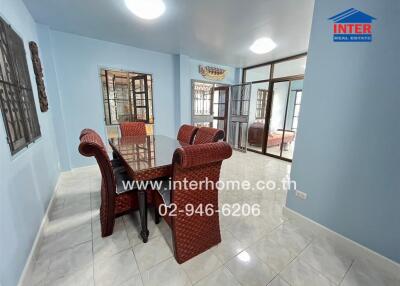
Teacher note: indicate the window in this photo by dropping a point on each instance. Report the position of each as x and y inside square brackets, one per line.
[258, 73]
[296, 111]
[202, 93]
[16, 96]
[261, 103]
[128, 96]
[290, 67]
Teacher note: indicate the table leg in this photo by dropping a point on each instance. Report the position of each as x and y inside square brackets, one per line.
[144, 233]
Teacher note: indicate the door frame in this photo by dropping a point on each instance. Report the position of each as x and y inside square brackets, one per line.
[146, 96]
[225, 117]
[268, 114]
[268, 111]
[211, 116]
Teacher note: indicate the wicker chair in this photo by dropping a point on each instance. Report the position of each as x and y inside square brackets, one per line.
[186, 133]
[115, 201]
[208, 135]
[115, 162]
[132, 128]
[193, 234]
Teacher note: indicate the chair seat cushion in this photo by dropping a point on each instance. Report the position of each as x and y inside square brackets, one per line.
[121, 176]
[115, 163]
[165, 192]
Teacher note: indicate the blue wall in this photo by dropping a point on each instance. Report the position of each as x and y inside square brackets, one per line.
[28, 178]
[347, 150]
[189, 70]
[77, 61]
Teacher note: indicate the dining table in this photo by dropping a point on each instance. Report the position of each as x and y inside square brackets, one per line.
[145, 158]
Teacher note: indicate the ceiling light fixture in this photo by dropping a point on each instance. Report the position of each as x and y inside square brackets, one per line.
[146, 9]
[262, 46]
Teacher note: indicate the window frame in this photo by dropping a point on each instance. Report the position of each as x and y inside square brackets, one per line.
[261, 103]
[270, 76]
[131, 99]
[294, 108]
[18, 98]
[270, 80]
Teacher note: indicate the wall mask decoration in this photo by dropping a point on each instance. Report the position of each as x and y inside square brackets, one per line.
[212, 73]
[37, 68]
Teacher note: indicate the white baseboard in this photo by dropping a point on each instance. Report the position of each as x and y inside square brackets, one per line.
[357, 249]
[24, 279]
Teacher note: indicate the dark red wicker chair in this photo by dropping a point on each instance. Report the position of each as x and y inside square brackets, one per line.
[208, 135]
[115, 201]
[132, 128]
[193, 234]
[186, 133]
[115, 162]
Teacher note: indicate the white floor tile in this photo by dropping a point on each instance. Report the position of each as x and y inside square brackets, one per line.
[363, 273]
[134, 281]
[201, 265]
[278, 281]
[110, 245]
[221, 276]
[80, 278]
[115, 270]
[65, 239]
[280, 247]
[151, 253]
[328, 258]
[167, 273]
[254, 249]
[299, 273]
[79, 257]
[228, 247]
[249, 270]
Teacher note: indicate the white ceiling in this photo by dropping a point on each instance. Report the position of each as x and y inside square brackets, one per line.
[218, 31]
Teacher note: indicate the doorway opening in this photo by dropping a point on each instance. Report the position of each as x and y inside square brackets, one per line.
[276, 94]
[210, 104]
[127, 96]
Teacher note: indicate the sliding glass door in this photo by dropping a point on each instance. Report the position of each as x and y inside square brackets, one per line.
[284, 115]
[277, 118]
[275, 102]
[257, 113]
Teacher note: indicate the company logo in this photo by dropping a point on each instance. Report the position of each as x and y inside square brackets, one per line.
[352, 26]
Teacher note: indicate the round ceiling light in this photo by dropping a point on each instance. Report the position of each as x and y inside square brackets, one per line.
[262, 46]
[146, 9]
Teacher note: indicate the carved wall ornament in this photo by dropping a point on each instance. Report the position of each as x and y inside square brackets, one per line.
[37, 68]
[212, 73]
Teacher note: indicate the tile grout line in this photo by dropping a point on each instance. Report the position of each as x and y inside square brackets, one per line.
[318, 271]
[132, 249]
[248, 247]
[290, 262]
[140, 273]
[348, 270]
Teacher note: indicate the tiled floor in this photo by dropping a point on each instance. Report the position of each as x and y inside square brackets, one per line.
[264, 250]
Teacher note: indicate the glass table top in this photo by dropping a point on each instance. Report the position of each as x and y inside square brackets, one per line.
[146, 152]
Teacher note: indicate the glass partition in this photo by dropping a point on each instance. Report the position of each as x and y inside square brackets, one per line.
[290, 68]
[257, 112]
[275, 101]
[258, 73]
[292, 118]
[277, 119]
